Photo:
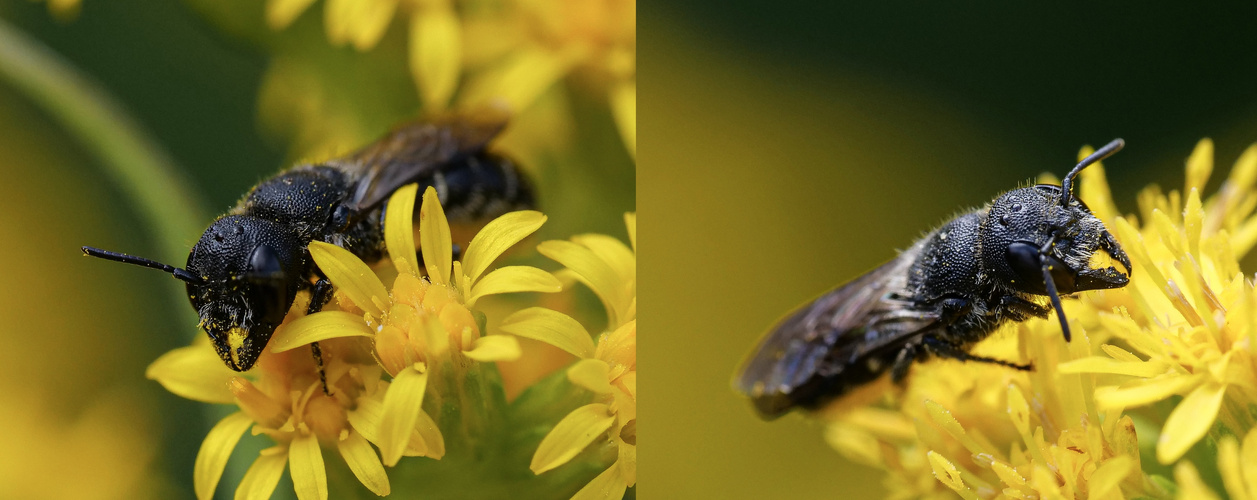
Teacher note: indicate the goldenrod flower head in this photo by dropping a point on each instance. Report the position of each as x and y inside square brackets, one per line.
[1184, 326]
[608, 368]
[425, 323]
[282, 398]
[509, 51]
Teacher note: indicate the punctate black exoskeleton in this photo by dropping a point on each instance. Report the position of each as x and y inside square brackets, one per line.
[1011, 260]
[244, 273]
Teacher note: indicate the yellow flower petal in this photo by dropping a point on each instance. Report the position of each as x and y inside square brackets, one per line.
[520, 79]
[399, 232]
[402, 404]
[319, 326]
[591, 374]
[309, 477]
[514, 279]
[435, 53]
[1229, 467]
[1193, 221]
[1108, 477]
[281, 13]
[366, 418]
[351, 275]
[627, 463]
[609, 484]
[260, 480]
[551, 327]
[1199, 166]
[1008, 474]
[594, 272]
[431, 434]
[857, 444]
[1189, 421]
[946, 472]
[1093, 189]
[1144, 392]
[1190, 487]
[494, 348]
[338, 16]
[434, 238]
[624, 107]
[194, 372]
[615, 253]
[371, 22]
[1248, 459]
[572, 434]
[630, 220]
[496, 237]
[1099, 364]
[362, 460]
[215, 450]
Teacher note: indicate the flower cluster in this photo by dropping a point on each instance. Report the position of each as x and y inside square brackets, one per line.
[508, 50]
[1155, 370]
[608, 369]
[403, 363]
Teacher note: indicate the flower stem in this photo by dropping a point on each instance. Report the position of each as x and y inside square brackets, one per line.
[129, 157]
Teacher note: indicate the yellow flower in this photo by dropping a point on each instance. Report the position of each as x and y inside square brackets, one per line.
[608, 369]
[1183, 327]
[425, 324]
[509, 51]
[282, 398]
[1189, 316]
[1238, 465]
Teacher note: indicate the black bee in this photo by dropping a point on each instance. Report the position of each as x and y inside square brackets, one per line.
[951, 289]
[244, 273]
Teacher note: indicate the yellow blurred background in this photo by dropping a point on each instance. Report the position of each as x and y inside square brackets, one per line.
[791, 146]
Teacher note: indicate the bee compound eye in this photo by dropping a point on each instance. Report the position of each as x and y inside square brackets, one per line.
[264, 263]
[1003, 220]
[1023, 259]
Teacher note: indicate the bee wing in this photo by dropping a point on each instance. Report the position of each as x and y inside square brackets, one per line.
[804, 354]
[417, 152]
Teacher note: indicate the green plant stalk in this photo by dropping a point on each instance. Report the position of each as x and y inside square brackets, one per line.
[159, 194]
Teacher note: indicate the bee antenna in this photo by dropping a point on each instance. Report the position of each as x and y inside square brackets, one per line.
[1051, 287]
[1100, 154]
[180, 274]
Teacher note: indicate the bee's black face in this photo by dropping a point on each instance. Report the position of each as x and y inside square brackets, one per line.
[250, 273]
[1030, 228]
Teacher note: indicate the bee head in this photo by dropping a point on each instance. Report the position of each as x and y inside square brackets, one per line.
[1042, 240]
[250, 270]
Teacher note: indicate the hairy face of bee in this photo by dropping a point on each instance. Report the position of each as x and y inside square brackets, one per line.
[1029, 228]
[248, 281]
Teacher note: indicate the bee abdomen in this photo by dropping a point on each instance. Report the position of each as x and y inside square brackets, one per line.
[481, 187]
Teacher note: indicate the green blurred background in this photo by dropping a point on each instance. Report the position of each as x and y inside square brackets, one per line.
[790, 146]
[229, 102]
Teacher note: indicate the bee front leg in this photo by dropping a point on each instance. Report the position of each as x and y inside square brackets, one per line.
[319, 297]
[1019, 309]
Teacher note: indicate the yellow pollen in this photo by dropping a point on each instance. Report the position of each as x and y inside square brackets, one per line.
[235, 339]
[1100, 260]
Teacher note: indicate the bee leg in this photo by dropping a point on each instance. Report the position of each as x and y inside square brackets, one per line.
[943, 349]
[903, 361]
[318, 298]
[1019, 309]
